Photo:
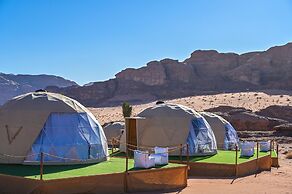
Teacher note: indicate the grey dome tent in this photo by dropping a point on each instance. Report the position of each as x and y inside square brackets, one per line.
[168, 125]
[225, 134]
[114, 130]
[58, 126]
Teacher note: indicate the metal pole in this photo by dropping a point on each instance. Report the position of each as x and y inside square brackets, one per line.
[42, 166]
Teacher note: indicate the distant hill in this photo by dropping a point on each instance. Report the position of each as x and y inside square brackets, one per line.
[206, 71]
[12, 85]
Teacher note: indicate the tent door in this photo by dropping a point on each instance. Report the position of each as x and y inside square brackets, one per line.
[131, 133]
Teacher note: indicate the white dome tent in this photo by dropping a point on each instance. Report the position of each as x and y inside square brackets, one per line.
[225, 134]
[169, 125]
[114, 130]
[55, 125]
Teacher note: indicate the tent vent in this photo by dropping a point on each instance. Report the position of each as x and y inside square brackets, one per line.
[41, 90]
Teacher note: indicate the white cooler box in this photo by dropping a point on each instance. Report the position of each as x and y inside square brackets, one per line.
[247, 149]
[143, 160]
[161, 156]
[265, 146]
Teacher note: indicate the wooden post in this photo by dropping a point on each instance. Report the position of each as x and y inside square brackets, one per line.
[126, 172]
[180, 152]
[271, 148]
[42, 166]
[271, 153]
[257, 150]
[277, 151]
[188, 157]
[236, 160]
[112, 146]
[257, 156]
[277, 155]
[127, 160]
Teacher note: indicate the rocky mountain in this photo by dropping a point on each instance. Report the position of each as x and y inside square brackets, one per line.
[281, 112]
[12, 85]
[205, 71]
[246, 120]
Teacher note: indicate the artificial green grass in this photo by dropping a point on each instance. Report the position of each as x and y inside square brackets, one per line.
[222, 157]
[114, 165]
[274, 154]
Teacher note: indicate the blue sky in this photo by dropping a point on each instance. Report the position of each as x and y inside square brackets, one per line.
[88, 41]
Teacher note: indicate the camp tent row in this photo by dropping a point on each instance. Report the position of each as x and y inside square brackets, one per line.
[169, 125]
[43, 122]
[66, 132]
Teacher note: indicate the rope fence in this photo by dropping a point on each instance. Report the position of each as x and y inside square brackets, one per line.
[130, 147]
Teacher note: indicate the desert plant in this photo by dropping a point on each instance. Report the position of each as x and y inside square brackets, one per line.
[127, 109]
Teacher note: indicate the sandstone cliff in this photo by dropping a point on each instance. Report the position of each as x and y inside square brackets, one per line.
[203, 72]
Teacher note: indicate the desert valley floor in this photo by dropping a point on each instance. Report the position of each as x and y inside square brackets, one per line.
[276, 181]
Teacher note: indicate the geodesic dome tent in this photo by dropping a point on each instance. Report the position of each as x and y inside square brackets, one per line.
[168, 125]
[114, 130]
[58, 126]
[225, 134]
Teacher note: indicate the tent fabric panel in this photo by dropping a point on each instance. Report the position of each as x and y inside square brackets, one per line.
[226, 135]
[68, 136]
[201, 139]
[162, 131]
[231, 138]
[94, 135]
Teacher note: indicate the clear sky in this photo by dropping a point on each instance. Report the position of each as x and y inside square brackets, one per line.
[88, 41]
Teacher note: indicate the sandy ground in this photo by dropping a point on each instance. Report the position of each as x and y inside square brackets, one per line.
[249, 100]
[278, 181]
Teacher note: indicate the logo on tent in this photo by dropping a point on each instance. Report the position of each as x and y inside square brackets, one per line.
[11, 139]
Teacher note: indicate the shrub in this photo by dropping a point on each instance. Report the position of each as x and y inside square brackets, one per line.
[127, 109]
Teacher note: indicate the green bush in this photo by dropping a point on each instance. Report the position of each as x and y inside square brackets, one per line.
[127, 109]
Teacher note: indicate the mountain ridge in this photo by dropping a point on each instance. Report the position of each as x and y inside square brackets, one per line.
[12, 85]
[204, 71]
